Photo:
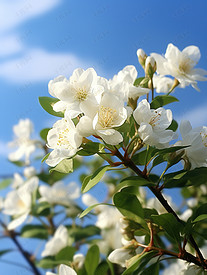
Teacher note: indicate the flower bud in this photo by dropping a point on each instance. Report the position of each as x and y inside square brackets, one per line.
[78, 260]
[150, 66]
[141, 57]
[120, 256]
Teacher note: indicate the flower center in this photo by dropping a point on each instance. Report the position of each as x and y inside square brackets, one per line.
[63, 139]
[185, 65]
[155, 119]
[81, 94]
[21, 204]
[106, 116]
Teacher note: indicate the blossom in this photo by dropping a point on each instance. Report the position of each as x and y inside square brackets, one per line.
[196, 153]
[153, 124]
[18, 180]
[18, 202]
[64, 139]
[78, 260]
[80, 89]
[59, 193]
[64, 270]
[181, 65]
[111, 113]
[26, 146]
[58, 242]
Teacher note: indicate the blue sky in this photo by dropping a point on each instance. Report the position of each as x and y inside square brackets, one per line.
[40, 40]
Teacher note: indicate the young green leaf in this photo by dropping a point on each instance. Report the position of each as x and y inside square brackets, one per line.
[65, 166]
[92, 259]
[162, 100]
[133, 181]
[5, 183]
[47, 104]
[34, 231]
[87, 210]
[43, 133]
[92, 180]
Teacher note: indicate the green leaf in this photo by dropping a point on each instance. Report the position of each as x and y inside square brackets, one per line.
[87, 210]
[92, 180]
[133, 181]
[102, 268]
[169, 223]
[162, 100]
[152, 269]
[65, 254]
[140, 261]
[50, 262]
[65, 166]
[201, 210]
[138, 80]
[18, 163]
[200, 218]
[41, 209]
[43, 133]
[186, 178]
[91, 148]
[5, 183]
[79, 233]
[164, 151]
[173, 126]
[92, 259]
[52, 177]
[47, 104]
[34, 231]
[45, 157]
[129, 205]
[143, 157]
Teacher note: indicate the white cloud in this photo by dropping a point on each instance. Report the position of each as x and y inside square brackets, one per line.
[10, 45]
[39, 65]
[15, 12]
[197, 116]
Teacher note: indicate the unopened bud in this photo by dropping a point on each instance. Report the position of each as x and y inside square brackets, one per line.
[150, 66]
[141, 57]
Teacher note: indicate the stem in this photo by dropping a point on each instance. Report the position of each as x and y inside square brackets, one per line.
[24, 253]
[162, 175]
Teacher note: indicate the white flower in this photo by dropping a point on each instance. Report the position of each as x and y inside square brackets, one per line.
[153, 124]
[64, 270]
[120, 256]
[64, 139]
[58, 242]
[59, 193]
[18, 202]
[162, 84]
[181, 65]
[196, 153]
[111, 113]
[74, 93]
[104, 218]
[26, 146]
[154, 203]
[18, 180]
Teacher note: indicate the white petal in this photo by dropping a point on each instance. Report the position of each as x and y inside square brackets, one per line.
[66, 270]
[193, 53]
[185, 128]
[113, 139]
[18, 221]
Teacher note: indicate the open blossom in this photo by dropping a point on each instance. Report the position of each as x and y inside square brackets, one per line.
[196, 153]
[18, 202]
[18, 180]
[153, 124]
[74, 93]
[111, 113]
[59, 193]
[64, 139]
[102, 120]
[26, 146]
[63, 270]
[122, 84]
[58, 242]
[181, 65]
